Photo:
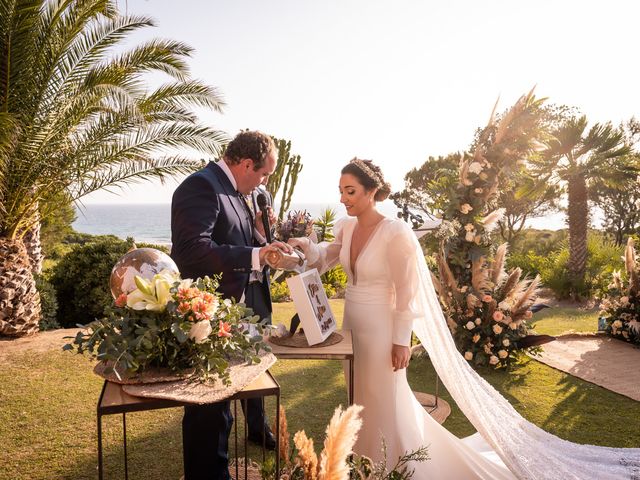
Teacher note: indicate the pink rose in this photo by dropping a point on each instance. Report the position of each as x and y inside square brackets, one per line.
[498, 315]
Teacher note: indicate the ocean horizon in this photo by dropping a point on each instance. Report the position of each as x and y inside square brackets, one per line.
[151, 223]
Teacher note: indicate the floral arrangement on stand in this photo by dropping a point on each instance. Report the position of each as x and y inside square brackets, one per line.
[297, 223]
[336, 461]
[620, 307]
[486, 308]
[184, 326]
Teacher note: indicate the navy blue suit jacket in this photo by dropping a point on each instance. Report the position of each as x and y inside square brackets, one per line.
[212, 232]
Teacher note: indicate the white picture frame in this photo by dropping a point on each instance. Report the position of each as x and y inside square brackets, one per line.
[312, 305]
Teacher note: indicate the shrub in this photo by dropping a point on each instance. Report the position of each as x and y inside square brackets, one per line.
[603, 258]
[335, 282]
[81, 278]
[48, 304]
[280, 292]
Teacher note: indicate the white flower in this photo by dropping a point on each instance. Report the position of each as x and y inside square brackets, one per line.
[513, 326]
[469, 227]
[506, 342]
[470, 236]
[493, 360]
[504, 305]
[475, 167]
[477, 321]
[617, 324]
[503, 354]
[200, 331]
[468, 355]
[497, 329]
[470, 325]
[624, 300]
[151, 295]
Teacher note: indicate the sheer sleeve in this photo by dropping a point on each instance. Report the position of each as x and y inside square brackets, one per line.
[403, 265]
[325, 255]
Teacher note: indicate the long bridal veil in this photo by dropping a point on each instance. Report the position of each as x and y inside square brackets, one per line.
[527, 450]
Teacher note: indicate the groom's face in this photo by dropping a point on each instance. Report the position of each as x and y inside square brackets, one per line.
[250, 178]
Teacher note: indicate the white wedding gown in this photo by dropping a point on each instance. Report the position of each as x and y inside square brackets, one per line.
[389, 294]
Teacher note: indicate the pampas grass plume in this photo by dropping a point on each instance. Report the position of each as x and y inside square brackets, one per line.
[342, 433]
[306, 455]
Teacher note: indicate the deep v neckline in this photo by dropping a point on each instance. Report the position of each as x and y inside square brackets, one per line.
[353, 266]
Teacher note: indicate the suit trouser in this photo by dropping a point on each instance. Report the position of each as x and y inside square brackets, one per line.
[206, 428]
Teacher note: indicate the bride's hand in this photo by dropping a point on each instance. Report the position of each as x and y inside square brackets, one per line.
[301, 242]
[400, 356]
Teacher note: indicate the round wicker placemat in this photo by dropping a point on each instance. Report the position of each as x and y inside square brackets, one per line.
[151, 375]
[298, 340]
[191, 391]
[440, 412]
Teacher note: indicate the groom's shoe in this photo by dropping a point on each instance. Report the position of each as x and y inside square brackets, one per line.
[269, 440]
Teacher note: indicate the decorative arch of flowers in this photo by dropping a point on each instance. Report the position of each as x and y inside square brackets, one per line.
[620, 307]
[486, 307]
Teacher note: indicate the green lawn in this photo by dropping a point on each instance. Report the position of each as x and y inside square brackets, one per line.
[48, 422]
[559, 320]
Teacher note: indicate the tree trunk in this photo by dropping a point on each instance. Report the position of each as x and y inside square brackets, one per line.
[32, 243]
[19, 299]
[578, 213]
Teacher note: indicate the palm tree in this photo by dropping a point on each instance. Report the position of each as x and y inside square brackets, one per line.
[76, 116]
[575, 158]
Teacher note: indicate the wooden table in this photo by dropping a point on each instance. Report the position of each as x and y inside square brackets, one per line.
[113, 400]
[339, 351]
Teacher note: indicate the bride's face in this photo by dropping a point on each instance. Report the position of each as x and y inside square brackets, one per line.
[354, 196]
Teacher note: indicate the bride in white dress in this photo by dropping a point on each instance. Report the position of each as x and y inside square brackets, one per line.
[389, 294]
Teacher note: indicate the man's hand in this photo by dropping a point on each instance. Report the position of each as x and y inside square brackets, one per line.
[258, 222]
[274, 247]
[400, 356]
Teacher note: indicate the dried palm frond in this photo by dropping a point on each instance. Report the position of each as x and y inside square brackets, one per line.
[436, 284]
[511, 282]
[630, 256]
[446, 275]
[492, 118]
[307, 457]
[490, 222]
[342, 433]
[634, 326]
[497, 266]
[630, 265]
[453, 326]
[479, 276]
[284, 436]
[527, 298]
[464, 171]
[473, 301]
[505, 122]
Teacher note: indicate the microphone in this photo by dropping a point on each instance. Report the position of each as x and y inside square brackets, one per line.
[262, 204]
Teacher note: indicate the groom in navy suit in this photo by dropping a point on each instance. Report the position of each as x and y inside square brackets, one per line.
[214, 230]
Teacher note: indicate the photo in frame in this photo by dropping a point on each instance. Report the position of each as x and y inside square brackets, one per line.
[311, 302]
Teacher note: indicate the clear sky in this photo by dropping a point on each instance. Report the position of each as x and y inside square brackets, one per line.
[393, 81]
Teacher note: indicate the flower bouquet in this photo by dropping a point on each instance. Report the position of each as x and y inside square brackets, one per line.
[620, 308]
[296, 224]
[167, 323]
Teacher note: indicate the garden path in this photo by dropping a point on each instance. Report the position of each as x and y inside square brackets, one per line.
[40, 342]
[605, 361]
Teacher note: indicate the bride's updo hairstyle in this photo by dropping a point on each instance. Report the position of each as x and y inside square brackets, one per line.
[370, 177]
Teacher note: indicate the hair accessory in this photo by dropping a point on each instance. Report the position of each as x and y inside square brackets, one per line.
[368, 171]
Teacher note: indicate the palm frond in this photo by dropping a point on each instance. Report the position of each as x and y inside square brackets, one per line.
[511, 283]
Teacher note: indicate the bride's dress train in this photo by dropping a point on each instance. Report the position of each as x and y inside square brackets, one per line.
[389, 293]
